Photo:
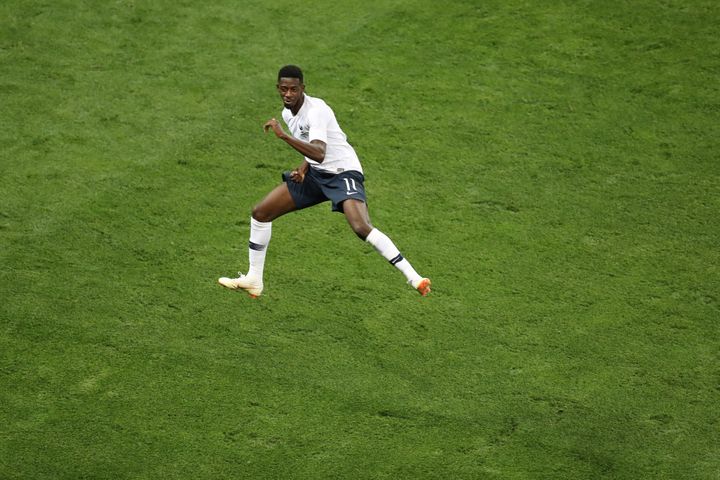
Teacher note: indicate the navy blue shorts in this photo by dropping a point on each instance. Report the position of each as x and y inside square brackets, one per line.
[318, 187]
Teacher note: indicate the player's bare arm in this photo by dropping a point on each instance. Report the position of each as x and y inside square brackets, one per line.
[314, 150]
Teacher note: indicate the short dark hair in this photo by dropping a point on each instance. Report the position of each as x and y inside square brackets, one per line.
[290, 71]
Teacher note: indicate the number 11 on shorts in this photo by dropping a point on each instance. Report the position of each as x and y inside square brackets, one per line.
[350, 184]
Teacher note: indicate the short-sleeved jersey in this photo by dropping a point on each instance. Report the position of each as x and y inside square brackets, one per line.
[316, 121]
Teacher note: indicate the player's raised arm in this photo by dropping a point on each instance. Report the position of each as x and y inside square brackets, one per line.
[314, 150]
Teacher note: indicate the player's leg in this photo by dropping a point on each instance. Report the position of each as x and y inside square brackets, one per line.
[357, 215]
[277, 203]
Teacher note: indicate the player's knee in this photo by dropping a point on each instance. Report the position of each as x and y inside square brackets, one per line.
[260, 214]
[361, 228]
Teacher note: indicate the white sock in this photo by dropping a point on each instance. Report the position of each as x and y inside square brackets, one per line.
[260, 233]
[387, 249]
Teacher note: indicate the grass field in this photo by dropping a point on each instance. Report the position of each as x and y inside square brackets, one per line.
[552, 166]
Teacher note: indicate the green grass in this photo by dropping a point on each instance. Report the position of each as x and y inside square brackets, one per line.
[552, 166]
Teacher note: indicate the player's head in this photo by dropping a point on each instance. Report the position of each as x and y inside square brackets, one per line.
[290, 86]
[290, 71]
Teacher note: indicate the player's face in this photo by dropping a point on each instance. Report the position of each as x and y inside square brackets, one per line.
[291, 91]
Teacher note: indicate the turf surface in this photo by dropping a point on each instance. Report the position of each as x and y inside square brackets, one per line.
[552, 166]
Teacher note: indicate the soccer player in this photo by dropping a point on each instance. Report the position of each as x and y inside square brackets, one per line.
[330, 171]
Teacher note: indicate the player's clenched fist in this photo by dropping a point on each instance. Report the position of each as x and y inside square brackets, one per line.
[275, 126]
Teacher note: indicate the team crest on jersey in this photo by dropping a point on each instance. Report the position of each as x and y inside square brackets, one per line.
[304, 132]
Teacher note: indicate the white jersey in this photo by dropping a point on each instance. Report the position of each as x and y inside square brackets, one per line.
[316, 121]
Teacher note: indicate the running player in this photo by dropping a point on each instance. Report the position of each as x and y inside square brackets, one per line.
[330, 171]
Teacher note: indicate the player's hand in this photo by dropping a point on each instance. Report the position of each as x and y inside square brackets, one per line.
[274, 125]
[297, 176]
